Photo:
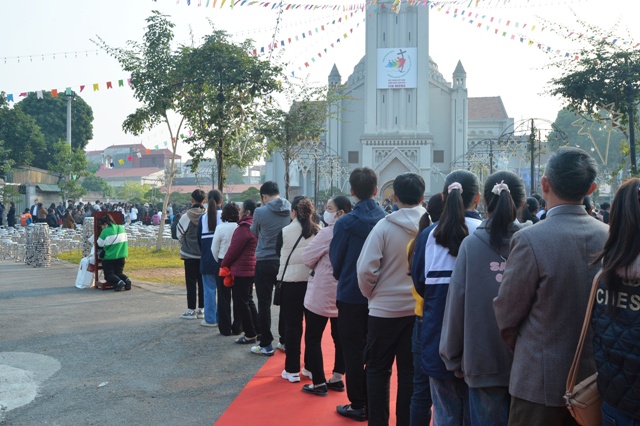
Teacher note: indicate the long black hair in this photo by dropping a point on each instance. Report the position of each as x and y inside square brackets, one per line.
[215, 201]
[460, 190]
[305, 212]
[503, 194]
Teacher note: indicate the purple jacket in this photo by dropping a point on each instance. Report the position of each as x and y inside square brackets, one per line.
[241, 255]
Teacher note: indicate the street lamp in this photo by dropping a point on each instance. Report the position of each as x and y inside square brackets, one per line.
[71, 95]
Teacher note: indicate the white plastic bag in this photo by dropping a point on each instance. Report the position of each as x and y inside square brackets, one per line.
[85, 278]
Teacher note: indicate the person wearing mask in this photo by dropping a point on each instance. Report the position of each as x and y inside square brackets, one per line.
[349, 235]
[209, 267]
[190, 253]
[545, 289]
[320, 304]
[240, 259]
[470, 345]
[268, 221]
[11, 215]
[113, 238]
[458, 219]
[294, 275]
[221, 240]
[383, 280]
[615, 320]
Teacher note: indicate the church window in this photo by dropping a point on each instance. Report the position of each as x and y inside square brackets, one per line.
[354, 157]
[438, 156]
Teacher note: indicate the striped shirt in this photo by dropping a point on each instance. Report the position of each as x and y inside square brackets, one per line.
[114, 240]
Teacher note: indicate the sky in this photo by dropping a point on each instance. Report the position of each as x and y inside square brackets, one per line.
[48, 45]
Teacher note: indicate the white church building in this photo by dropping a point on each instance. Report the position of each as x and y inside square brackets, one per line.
[398, 114]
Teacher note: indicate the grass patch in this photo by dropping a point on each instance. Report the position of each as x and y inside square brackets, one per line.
[160, 266]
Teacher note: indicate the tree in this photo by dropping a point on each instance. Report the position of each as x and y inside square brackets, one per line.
[50, 113]
[224, 88]
[70, 166]
[291, 132]
[132, 192]
[250, 193]
[605, 77]
[23, 140]
[156, 84]
[235, 175]
[97, 184]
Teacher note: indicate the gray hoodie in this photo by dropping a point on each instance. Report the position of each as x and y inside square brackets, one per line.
[470, 342]
[187, 232]
[268, 221]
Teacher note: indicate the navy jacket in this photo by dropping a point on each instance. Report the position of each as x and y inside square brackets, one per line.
[208, 265]
[349, 235]
[417, 265]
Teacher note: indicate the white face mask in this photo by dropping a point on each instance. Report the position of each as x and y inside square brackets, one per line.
[329, 217]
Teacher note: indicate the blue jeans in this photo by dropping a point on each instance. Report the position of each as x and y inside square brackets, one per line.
[489, 406]
[210, 304]
[420, 411]
[613, 417]
[450, 402]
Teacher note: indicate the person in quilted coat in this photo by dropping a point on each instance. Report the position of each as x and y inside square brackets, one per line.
[616, 313]
[241, 261]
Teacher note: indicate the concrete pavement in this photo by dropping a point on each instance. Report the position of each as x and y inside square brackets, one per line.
[58, 344]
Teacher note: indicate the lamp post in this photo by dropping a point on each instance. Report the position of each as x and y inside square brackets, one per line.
[71, 95]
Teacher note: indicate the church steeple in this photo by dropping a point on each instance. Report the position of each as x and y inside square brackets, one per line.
[459, 77]
[334, 77]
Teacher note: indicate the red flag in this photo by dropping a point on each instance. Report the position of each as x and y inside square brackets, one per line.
[81, 88]
[54, 93]
[109, 85]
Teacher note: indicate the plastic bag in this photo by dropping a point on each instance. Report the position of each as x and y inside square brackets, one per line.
[84, 278]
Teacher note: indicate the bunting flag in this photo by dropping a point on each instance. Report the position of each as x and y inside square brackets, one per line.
[68, 91]
[285, 6]
[130, 158]
[112, 165]
[139, 155]
[121, 161]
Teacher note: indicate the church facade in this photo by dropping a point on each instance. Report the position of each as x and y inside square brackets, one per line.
[397, 113]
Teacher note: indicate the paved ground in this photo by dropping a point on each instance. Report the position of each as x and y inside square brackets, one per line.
[58, 344]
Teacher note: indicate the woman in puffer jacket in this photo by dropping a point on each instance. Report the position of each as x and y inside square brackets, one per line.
[241, 261]
[616, 313]
[320, 304]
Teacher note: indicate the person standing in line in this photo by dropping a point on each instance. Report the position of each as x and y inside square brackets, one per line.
[383, 280]
[320, 304]
[615, 320]
[209, 267]
[42, 214]
[294, 276]
[67, 220]
[1, 213]
[133, 214]
[221, 240]
[268, 221]
[11, 216]
[470, 345]
[605, 212]
[190, 253]
[545, 289]
[34, 210]
[113, 238]
[240, 258]
[458, 219]
[349, 235]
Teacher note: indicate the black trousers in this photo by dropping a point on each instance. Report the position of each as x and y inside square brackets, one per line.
[225, 325]
[243, 299]
[315, 325]
[352, 328]
[192, 278]
[389, 339]
[266, 276]
[292, 310]
[113, 270]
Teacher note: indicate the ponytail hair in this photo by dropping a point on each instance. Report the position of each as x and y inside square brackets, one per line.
[215, 200]
[460, 189]
[503, 193]
[305, 212]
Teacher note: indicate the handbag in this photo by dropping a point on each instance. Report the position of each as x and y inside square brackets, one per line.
[277, 294]
[583, 400]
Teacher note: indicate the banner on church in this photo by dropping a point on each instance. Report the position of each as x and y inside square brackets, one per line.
[398, 68]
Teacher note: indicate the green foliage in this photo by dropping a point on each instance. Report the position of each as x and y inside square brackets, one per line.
[250, 193]
[23, 139]
[132, 192]
[50, 114]
[235, 175]
[224, 88]
[97, 184]
[71, 166]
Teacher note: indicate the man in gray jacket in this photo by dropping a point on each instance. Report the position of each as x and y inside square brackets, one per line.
[544, 292]
[268, 221]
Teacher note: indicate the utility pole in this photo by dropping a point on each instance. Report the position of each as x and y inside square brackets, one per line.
[532, 140]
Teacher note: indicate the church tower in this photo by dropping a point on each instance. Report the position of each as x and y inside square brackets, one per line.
[397, 137]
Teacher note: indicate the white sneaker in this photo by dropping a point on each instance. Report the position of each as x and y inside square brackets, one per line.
[204, 323]
[307, 373]
[292, 377]
[281, 347]
[200, 313]
[190, 315]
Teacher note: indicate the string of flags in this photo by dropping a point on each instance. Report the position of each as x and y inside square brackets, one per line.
[272, 5]
[138, 154]
[69, 91]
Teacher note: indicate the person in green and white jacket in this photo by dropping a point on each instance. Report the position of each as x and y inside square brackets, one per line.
[113, 239]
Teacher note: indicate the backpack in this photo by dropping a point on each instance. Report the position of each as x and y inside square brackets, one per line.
[174, 227]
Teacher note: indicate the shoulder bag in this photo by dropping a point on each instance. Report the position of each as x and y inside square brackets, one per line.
[583, 400]
[277, 294]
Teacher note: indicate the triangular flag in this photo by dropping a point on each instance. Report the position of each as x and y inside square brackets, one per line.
[54, 93]
[10, 98]
[39, 94]
[157, 147]
[23, 94]
[130, 158]
[112, 165]
[148, 151]
[101, 167]
[138, 154]
[81, 88]
[109, 85]
[165, 143]
[120, 83]
[96, 87]
[121, 161]
[68, 91]
[75, 177]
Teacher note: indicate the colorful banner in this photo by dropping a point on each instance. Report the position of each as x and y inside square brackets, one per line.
[397, 68]
[67, 91]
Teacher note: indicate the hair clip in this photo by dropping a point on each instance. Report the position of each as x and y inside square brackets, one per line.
[454, 185]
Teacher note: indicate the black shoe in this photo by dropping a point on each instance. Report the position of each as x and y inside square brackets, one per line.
[320, 390]
[358, 415]
[119, 286]
[127, 284]
[336, 386]
[244, 341]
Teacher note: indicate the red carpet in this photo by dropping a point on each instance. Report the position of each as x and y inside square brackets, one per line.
[268, 399]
